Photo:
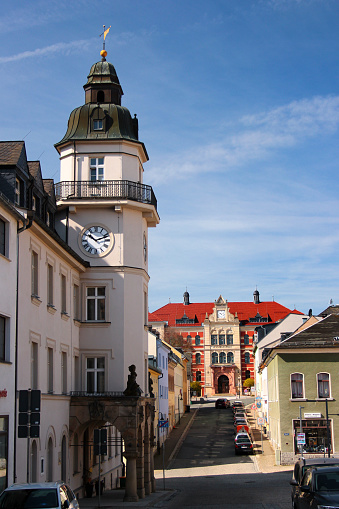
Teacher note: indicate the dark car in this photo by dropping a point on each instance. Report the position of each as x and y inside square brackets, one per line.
[319, 488]
[222, 403]
[237, 404]
[243, 445]
[305, 463]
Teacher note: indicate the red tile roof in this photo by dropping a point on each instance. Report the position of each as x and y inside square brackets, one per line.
[245, 310]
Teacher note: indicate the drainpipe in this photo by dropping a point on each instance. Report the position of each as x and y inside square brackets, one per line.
[27, 224]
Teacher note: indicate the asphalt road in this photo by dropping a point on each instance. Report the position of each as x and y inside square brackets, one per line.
[206, 472]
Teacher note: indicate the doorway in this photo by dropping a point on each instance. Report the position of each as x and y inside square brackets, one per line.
[223, 384]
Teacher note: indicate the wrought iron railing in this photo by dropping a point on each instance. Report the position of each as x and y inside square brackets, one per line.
[105, 189]
[108, 394]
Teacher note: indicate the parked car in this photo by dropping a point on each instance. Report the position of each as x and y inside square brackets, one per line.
[242, 434]
[319, 488]
[222, 403]
[237, 403]
[303, 464]
[239, 415]
[49, 495]
[243, 445]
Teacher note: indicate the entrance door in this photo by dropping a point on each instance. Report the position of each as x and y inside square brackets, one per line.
[223, 384]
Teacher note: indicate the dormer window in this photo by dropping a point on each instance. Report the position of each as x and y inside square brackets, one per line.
[98, 125]
[34, 203]
[17, 192]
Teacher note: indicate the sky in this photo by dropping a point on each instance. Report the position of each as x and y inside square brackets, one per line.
[238, 106]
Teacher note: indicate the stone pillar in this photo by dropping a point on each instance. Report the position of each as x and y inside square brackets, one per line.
[131, 494]
[140, 473]
[152, 469]
[147, 467]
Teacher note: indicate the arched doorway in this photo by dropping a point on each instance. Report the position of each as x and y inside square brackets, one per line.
[49, 476]
[223, 384]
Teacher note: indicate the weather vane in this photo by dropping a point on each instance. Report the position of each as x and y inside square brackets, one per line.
[103, 52]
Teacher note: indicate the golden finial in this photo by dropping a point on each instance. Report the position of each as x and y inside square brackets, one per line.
[103, 52]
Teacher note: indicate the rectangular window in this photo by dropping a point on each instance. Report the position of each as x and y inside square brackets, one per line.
[63, 294]
[297, 383]
[97, 125]
[50, 369]
[17, 192]
[76, 373]
[97, 169]
[76, 302]
[2, 338]
[50, 300]
[2, 237]
[35, 274]
[221, 339]
[3, 452]
[95, 374]
[95, 303]
[214, 339]
[323, 385]
[230, 339]
[64, 372]
[34, 365]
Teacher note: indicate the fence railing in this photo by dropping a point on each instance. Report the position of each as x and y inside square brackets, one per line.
[105, 189]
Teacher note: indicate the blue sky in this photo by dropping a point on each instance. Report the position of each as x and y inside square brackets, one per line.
[238, 106]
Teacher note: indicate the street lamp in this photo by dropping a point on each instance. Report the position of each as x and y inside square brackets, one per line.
[179, 399]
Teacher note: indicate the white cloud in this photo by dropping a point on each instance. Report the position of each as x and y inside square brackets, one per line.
[60, 47]
[257, 137]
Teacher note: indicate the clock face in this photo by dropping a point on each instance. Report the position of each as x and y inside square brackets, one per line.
[221, 313]
[96, 240]
[145, 247]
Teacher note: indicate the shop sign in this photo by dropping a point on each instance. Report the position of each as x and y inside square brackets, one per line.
[286, 434]
[3, 394]
[313, 415]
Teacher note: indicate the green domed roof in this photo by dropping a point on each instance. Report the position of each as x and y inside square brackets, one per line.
[103, 72]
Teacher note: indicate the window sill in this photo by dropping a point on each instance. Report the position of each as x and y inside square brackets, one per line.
[324, 399]
[51, 309]
[298, 399]
[95, 324]
[36, 300]
[64, 316]
[4, 257]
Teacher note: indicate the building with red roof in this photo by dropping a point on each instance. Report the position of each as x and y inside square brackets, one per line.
[220, 336]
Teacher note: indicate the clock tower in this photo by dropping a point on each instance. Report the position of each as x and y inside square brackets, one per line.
[104, 212]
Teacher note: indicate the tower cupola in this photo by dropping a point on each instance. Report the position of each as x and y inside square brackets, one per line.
[103, 86]
[256, 297]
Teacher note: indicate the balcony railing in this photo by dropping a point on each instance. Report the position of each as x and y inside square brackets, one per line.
[105, 189]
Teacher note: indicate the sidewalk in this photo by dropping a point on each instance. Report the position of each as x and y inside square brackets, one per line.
[264, 454]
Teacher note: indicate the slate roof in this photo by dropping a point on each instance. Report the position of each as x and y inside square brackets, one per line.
[171, 312]
[320, 335]
[331, 310]
[10, 152]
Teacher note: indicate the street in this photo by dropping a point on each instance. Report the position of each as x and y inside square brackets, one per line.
[206, 472]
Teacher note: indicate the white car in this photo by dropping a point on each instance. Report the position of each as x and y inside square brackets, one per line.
[48, 495]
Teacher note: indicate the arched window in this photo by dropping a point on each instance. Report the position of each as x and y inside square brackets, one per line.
[247, 357]
[247, 374]
[230, 358]
[49, 476]
[34, 462]
[214, 358]
[198, 376]
[197, 340]
[246, 339]
[230, 339]
[297, 385]
[323, 382]
[198, 358]
[101, 96]
[222, 358]
[189, 338]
